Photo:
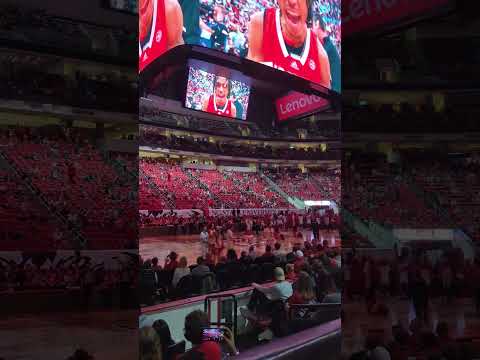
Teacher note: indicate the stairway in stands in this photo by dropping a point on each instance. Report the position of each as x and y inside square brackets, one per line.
[298, 204]
[39, 203]
[215, 198]
[161, 193]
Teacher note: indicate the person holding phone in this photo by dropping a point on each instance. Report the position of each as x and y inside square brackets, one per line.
[197, 325]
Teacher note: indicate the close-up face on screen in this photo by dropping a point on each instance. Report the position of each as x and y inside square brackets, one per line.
[216, 94]
[302, 37]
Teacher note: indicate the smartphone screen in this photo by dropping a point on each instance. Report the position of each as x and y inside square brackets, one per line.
[213, 334]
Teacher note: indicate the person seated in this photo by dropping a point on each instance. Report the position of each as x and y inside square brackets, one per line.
[201, 268]
[163, 332]
[195, 323]
[278, 253]
[300, 261]
[290, 273]
[262, 297]
[180, 271]
[268, 256]
[304, 290]
[245, 259]
[150, 345]
[171, 262]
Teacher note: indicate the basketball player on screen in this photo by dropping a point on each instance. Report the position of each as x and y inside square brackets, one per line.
[155, 34]
[280, 38]
[219, 103]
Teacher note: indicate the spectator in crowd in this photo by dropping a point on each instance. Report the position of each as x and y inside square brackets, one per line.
[204, 242]
[201, 268]
[180, 271]
[304, 290]
[195, 323]
[263, 296]
[278, 252]
[163, 332]
[171, 262]
[150, 346]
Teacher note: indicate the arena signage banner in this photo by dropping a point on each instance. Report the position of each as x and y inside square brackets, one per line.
[363, 15]
[296, 104]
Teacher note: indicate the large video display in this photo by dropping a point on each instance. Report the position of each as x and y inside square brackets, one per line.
[216, 94]
[301, 37]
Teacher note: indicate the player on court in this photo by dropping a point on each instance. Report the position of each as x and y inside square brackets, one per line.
[219, 103]
[155, 34]
[280, 38]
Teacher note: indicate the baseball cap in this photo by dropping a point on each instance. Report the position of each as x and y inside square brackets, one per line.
[299, 253]
[279, 274]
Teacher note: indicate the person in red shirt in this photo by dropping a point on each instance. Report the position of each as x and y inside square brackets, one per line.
[304, 292]
[171, 262]
[155, 34]
[281, 38]
[220, 103]
[195, 323]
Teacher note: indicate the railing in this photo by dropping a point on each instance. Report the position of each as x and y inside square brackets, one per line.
[375, 233]
[298, 204]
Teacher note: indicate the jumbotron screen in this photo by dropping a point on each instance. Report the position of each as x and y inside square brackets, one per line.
[216, 94]
[302, 37]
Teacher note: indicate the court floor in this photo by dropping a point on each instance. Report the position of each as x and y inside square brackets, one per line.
[189, 245]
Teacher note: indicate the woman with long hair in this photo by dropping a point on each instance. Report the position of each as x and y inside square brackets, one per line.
[181, 270]
[304, 290]
[163, 332]
[150, 345]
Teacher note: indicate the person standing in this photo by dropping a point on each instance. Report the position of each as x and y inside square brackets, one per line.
[204, 242]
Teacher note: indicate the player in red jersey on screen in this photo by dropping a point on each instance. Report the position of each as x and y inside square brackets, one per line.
[280, 38]
[155, 34]
[219, 103]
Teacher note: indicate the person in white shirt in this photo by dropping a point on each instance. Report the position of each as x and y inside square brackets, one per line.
[263, 296]
[229, 238]
[180, 271]
[204, 242]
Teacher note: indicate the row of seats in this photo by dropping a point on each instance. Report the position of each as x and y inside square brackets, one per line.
[171, 186]
[76, 181]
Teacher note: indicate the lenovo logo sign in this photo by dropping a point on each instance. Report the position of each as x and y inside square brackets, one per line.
[297, 104]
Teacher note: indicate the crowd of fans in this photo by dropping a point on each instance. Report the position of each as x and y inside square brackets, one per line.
[300, 129]
[154, 137]
[177, 279]
[165, 185]
[61, 170]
